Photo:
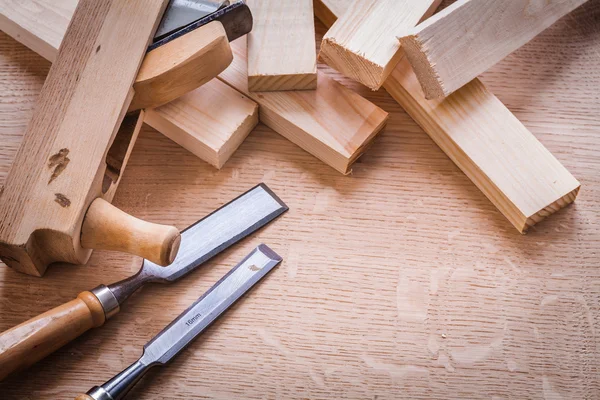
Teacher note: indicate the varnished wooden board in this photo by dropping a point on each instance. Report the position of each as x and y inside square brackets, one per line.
[400, 281]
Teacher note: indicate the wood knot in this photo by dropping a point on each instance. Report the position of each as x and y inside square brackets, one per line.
[59, 162]
[62, 200]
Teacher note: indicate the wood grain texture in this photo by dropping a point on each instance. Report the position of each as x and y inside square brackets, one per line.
[211, 121]
[41, 25]
[466, 39]
[281, 46]
[488, 143]
[32, 340]
[333, 123]
[401, 281]
[362, 43]
[61, 163]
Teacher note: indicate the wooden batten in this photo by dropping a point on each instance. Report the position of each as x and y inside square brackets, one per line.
[361, 44]
[281, 46]
[487, 142]
[333, 123]
[211, 121]
[464, 40]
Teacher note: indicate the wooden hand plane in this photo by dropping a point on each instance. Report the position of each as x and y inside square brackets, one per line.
[55, 204]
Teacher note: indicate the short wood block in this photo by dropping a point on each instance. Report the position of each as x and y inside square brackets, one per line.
[281, 46]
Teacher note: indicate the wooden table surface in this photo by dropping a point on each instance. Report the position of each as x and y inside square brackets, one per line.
[400, 281]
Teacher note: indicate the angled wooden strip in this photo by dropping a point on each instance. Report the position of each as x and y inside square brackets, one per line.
[281, 46]
[464, 40]
[489, 144]
[362, 45]
[61, 163]
[332, 123]
[211, 121]
[41, 25]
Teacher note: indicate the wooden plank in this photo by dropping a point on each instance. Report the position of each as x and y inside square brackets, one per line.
[491, 146]
[61, 164]
[464, 40]
[41, 25]
[211, 122]
[281, 46]
[362, 44]
[333, 123]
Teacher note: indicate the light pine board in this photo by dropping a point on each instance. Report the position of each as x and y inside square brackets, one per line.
[281, 46]
[211, 121]
[466, 39]
[362, 43]
[41, 25]
[332, 122]
[400, 281]
[489, 144]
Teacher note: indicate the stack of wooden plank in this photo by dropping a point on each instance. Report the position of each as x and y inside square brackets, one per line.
[274, 79]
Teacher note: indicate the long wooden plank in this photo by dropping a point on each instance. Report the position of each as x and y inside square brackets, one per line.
[464, 40]
[362, 43]
[59, 168]
[41, 25]
[281, 47]
[211, 121]
[332, 123]
[488, 143]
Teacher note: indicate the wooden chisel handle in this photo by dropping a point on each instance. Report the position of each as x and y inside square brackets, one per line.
[83, 397]
[105, 227]
[29, 342]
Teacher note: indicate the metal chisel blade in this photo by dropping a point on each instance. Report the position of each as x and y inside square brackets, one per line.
[193, 321]
[180, 13]
[219, 230]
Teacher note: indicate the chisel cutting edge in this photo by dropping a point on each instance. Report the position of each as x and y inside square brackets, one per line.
[191, 323]
[33, 340]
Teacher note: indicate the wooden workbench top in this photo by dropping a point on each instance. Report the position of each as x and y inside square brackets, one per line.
[399, 281]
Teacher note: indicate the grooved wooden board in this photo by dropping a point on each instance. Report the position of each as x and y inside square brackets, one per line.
[400, 281]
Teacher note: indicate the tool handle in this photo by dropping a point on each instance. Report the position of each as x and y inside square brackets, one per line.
[105, 227]
[29, 342]
[83, 397]
[182, 65]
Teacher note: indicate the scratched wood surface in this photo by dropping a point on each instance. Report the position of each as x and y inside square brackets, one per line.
[400, 281]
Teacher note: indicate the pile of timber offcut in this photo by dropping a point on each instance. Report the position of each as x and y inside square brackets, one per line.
[428, 64]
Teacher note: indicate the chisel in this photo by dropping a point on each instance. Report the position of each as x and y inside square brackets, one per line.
[33, 340]
[191, 323]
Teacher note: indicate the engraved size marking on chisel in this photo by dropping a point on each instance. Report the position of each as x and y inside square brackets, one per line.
[195, 318]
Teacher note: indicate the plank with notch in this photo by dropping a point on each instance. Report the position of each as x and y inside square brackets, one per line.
[333, 123]
[487, 142]
[41, 25]
[281, 46]
[362, 43]
[464, 40]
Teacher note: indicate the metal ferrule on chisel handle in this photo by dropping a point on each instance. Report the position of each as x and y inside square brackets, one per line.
[107, 299]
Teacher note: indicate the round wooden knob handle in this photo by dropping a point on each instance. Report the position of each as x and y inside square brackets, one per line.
[83, 397]
[105, 227]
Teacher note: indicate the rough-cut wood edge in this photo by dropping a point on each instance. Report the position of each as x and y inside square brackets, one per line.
[416, 52]
[354, 65]
[272, 83]
[408, 100]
